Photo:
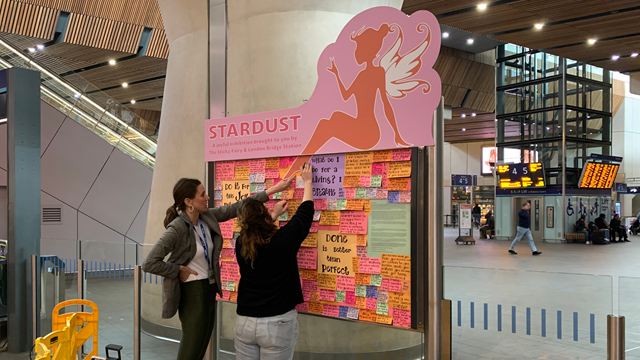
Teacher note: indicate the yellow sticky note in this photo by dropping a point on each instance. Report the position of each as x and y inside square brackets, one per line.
[327, 281]
[311, 240]
[367, 206]
[272, 163]
[396, 267]
[242, 173]
[330, 217]
[355, 204]
[361, 240]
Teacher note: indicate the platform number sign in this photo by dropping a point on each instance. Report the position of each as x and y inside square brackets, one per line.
[529, 175]
[463, 180]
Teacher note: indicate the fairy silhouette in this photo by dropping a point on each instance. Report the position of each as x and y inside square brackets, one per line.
[390, 78]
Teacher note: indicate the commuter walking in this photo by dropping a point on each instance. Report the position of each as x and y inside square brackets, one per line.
[476, 215]
[524, 229]
[192, 273]
[267, 322]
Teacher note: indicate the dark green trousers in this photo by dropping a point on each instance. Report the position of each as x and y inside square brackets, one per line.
[197, 313]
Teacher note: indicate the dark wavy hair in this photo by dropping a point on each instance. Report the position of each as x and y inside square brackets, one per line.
[257, 228]
[183, 189]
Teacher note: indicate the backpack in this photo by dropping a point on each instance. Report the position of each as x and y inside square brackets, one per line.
[597, 238]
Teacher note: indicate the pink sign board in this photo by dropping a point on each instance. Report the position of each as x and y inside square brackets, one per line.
[376, 90]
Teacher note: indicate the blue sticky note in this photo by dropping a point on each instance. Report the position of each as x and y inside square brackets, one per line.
[372, 291]
[344, 310]
[393, 196]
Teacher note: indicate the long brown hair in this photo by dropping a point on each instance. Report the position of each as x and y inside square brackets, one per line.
[256, 226]
[183, 189]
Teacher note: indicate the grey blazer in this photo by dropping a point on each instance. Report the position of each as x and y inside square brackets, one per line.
[180, 240]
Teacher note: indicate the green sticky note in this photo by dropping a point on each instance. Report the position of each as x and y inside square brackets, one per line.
[376, 180]
[277, 196]
[340, 296]
[231, 286]
[383, 309]
[376, 280]
[361, 193]
[341, 204]
[253, 188]
[361, 290]
[283, 217]
[236, 235]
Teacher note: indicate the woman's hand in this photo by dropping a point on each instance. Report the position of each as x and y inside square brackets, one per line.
[281, 186]
[306, 173]
[280, 208]
[185, 272]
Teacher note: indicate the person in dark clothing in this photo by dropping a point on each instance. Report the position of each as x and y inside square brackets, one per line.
[617, 227]
[635, 227]
[476, 215]
[581, 227]
[490, 224]
[267, 322]
[524, 229]
[601, 224]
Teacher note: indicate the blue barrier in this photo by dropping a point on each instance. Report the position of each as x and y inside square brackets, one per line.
[499, 317]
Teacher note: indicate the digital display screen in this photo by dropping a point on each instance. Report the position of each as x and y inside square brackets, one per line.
[519, 176]
[598, 175]
[511, 155]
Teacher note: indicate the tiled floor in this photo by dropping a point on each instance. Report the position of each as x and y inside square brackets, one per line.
[480, 274]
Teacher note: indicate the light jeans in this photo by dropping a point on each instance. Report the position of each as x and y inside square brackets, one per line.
[269, 338]
[523, 232]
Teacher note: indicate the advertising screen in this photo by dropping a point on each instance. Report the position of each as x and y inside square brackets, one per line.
[511, 156]
[598, 175]
[514, 176]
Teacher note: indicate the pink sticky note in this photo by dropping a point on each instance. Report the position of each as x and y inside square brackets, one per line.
[271, 173]
[349, 193]
[401, 317]
[226, 229]
[271, 204]
[309, 285]
[376, 168]
[306, 295]
[298, 194]
[405, 197]
[217, 185]
[328, 295]
[350, 297]
[391, 285]
[304, 307]
[353, 222]
[346, 283]
[365, 180]
[409, 184]
[307, 258]
[381, 193]
[286, 161]
[320, 204]
[228, 253]
[330, 310]
[370, 266]
[401, 155]
[361, 251]
[229, 271]
[372, 303]
[257, 166]
[226, 295]
[314, 227]
[225, 170]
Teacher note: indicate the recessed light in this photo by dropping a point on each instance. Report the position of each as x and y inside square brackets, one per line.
[112, 62]
[124, 85]
[133, 101]
[634, 55]
[469, 41]
[40, 47]
[32, 50]
[76, 95]
[463, 129]
[592, 41]
[548, 128]
[615, 57]
[445, 34]
[463, 115]
[569, 110]
[473, 114]
[539, 26]
[482, 6]
[496, 120]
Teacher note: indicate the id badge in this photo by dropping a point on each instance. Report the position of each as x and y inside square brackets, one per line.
[212, 278]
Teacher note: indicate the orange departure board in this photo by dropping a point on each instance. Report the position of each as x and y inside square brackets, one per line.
[517, 176]
[598, 175]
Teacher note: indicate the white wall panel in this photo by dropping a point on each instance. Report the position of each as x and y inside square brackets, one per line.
[119, 192]
[68, 230]
[98, 242]
[50, 121]
[474, 158]
[72, 162]
[458, 159]
[136, 232]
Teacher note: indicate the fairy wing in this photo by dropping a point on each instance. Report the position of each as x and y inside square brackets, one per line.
[400, 68]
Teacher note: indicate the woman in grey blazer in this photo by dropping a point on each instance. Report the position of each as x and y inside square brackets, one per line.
[192, 272]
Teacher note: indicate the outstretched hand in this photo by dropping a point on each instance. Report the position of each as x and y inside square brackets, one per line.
[280, 208]
[281, 186]
[185, 272]
[306, 172]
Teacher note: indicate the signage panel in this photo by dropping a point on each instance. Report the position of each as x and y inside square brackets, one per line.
[598, 175]
[521, 176]
[462, 180]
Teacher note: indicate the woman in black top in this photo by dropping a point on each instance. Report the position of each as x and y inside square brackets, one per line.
[269, 289]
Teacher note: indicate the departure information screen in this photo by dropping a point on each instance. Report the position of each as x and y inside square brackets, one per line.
[520, 176]
[598, 175]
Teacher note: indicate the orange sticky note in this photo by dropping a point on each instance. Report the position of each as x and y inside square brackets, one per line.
[351, 181]
[399, 169]
[398, 184]
[233, 296]
[283, 172]
[406, 286]
[356, 264]
[225, 244]
[368, 315]
[272, 163]
[363, 279]
[361, 240]
[327, 281]
[309, 274]
[236, 225]
[382, 155]
[355, 204]
[400, 301]
[384, 319]
[315, 296]
[396, 267]
[311, 240]
[358, 163]
[367, 206]
[268, 183]
[330, 217]
[361, 302]
[315, 307]
[294, 204]
[242, 173]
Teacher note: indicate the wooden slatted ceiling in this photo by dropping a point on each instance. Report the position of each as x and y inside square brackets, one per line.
[87, 55]
[125, 71]
[559, 10]
[437, 6]
[142, 91]
[103, 33]
[158, 44]
[27, 19]
[139, 12]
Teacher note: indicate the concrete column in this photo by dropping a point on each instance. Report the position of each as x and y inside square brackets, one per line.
[184, 108]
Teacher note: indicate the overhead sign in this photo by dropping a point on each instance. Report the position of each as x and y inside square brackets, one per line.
[606, 157]
[519, 176]
[621, 188]
[462, 180]
[633, 189]
[598, 175]
[376, 89]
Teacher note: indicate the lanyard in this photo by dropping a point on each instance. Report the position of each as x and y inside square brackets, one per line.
[203, 242]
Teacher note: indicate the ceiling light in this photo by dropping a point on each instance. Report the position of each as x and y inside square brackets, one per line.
[482, 6]
[40, 47]
[496, 120]
[469, 41]
[539, 26]
[76, 95]
[592, 41]
[548, 128]
[445, 34]
[124, 85]
[463, 115]
[463, 129]
[133, 101]
[615, 57]
[473, 114]
[112, 62]
[634, 55]
[569, 110]
[32, 50]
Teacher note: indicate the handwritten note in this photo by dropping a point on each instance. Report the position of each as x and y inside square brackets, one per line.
[350, 193]
[330, 310]
[350, 297]
[368, 315]
[351, 181]
[393, 197]
[346, 283]
[372, 291]
[401, 155]
[384, 319]
[363, 279]
[271, 174]
[369, 265]
[353, 313]
[382, 308]
[354, 204]
[400, 301]
[327, 281]
[396, 267]
[226, 229]
[341, 204]
[371, 193]
[319, 204]
[402, 318]
[361, 302]
[286, 161]
[228, 254]
[404, 197]
[361, 251]
[376, 279]
[335, 253]
[329, 295]
[328, 173]
[361, 290]
[365, 181]
[340, 296]
[383, 296]
[329, 217]
[391, 285]
[234, 191]
[307, 258]
[361, 240]
[398, 184]
[358, 163]
[381, 156]
[371, 303]
[311, 240]
[399, 169]
[225, 170]
[241, 173]
[304, 307]
[256, 178]
[257, 165]
[353, 222]
[309, 274]
[315, 308]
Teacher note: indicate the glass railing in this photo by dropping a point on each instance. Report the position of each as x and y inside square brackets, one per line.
[527, 314]
[79, 100]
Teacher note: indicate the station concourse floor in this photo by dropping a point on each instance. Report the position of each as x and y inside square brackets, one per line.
[481, 274]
